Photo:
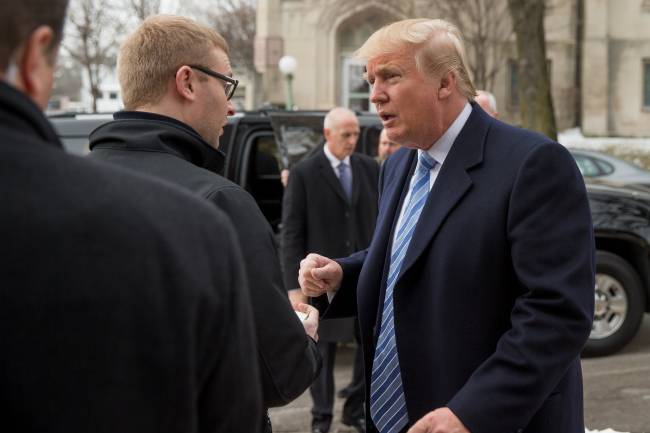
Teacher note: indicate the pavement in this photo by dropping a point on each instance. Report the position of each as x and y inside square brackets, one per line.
[296, 417]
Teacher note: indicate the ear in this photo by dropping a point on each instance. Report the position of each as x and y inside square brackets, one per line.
[185, 83]
[35, 68]
[327, 133]
[447, 85]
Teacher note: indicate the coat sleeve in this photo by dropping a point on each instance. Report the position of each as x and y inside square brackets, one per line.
[553, 256]
[294, 227]
[344, 302]
[289, 358]
[225, 322]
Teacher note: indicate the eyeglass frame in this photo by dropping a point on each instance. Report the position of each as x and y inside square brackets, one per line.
[214, 74]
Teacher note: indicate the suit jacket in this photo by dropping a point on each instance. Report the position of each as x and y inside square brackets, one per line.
[494, 300]
[121, 297]
[168, 149]
[318, 218]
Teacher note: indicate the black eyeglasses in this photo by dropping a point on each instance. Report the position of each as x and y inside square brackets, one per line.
[229, 84]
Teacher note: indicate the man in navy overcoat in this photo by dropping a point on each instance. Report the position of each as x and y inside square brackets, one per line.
[475, 296]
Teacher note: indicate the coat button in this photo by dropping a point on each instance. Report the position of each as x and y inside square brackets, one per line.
[347, 215]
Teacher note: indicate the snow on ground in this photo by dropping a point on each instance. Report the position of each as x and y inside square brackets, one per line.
[608, 430]
[635, 150]
[573, 138]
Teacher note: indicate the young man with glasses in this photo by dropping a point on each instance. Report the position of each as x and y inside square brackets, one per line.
[176, 84]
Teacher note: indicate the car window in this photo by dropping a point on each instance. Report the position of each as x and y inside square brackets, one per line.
[73, 131]
[262, 176]
[587, 166]
[604, 166]
[369, 140]
[76, 145]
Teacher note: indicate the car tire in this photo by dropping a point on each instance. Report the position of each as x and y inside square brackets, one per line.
[619, 305]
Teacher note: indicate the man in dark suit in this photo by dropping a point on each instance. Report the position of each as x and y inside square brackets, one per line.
[330, 207]
[121, 297]
[475, 297]
[176, 84]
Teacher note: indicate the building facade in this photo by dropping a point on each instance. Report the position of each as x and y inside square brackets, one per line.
[598, 55]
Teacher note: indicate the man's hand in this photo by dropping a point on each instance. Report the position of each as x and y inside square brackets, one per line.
[296, 297]
[440, 420]
[319, 275]
[310, 323]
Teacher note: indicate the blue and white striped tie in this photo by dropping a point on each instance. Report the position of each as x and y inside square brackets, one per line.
[387, 402]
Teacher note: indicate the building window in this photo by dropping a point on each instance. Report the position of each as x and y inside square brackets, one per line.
[513, 84]
[356, 90]
[646, 83]
[112, 95]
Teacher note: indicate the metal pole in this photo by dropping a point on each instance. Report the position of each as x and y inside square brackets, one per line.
[289, 101]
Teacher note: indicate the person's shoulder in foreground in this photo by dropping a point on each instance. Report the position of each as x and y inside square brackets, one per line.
[108, 263]
[130, 290]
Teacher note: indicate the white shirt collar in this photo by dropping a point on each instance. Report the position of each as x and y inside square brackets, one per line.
[333, 159]
[442, 146]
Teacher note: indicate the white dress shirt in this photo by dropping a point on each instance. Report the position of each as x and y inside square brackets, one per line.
[438, 152]
[336, 162]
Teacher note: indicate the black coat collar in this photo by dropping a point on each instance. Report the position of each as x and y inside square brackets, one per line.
[151, 132]
[19, 112]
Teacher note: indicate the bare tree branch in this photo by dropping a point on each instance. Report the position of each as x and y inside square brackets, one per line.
[92, 30]
[144, 8]
[235, 20]
[485, 25]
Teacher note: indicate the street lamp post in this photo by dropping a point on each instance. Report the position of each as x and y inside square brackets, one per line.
[288, 65]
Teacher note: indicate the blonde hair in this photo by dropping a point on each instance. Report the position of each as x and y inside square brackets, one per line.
[437, 45]
[152, 54]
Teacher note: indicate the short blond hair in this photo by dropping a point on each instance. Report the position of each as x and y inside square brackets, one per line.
[438, 46]
[151, 55]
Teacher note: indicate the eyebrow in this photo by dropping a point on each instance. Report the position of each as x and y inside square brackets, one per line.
[381, 69]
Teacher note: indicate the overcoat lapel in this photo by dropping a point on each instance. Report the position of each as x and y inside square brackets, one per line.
[356, 180]
[392, 193]
[451, 185]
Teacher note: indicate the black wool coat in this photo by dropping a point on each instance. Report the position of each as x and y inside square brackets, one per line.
[121, 298]
[167, 149]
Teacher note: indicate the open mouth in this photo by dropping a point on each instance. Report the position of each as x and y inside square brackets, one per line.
[386, 117]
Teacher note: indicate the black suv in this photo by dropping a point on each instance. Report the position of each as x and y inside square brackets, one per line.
[258, 144]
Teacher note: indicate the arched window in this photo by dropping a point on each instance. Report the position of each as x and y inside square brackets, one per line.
[353, 32]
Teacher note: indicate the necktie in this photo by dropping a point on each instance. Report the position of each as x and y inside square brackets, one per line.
[346, 179]
[387, 402]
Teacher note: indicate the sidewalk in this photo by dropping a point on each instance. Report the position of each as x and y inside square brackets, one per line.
[296, 417]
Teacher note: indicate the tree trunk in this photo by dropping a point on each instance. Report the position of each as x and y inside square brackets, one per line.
[94, 86]
[535, 100]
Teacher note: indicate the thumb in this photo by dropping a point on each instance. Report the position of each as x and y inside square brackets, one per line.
[318, 260]
[323, 273]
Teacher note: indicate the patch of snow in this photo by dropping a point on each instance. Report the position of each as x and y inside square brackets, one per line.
[573, 138]
[607, 430]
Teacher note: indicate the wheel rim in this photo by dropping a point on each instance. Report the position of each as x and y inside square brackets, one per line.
[610, 307]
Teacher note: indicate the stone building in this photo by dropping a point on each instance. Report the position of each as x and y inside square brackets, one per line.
[598, 53]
